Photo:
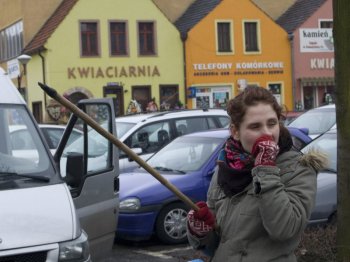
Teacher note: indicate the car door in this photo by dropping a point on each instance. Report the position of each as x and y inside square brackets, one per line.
[96, 194]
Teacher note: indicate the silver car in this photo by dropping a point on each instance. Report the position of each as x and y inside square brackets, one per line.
[326, 197]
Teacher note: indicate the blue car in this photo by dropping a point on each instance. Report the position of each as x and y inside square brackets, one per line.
[148, 207]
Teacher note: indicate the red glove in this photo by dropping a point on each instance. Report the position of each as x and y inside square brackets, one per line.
[202, 221]
[265, 151]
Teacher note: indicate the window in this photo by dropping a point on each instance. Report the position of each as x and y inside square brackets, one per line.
[251, 40]
[118, 38]
[224, 41]
[150, 138]
[146, 38]
[89, 38]
[193, 124]
[326, 23]
[169, 97]
[276, 90]
[11, 41]
[37, 111]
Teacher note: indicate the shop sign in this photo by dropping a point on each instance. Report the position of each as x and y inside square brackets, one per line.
[316, 40]
[112, 71]
[322, 63]
[241, 68]
[13, 69]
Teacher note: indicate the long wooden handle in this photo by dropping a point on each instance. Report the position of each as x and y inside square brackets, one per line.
[87, 119]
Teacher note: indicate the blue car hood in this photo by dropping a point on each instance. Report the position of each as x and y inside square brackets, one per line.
[143, 185]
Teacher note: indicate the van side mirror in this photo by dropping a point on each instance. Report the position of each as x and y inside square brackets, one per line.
[74, 169]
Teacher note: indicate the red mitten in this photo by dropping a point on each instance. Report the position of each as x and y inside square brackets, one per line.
[265, 151]
[202, 221]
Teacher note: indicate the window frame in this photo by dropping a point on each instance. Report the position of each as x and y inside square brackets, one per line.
[281, 84]
[98, 41]
[327, 20]
[154, 38]
[258, 37]
[230, 37]
[126, 33]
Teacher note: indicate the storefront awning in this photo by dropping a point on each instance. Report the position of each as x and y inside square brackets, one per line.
[317, 81]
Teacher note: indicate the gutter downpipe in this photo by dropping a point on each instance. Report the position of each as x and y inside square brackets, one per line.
[44, 76]
[291, 41]
[183, 39]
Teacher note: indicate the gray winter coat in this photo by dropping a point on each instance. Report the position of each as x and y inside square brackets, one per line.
[266, 220]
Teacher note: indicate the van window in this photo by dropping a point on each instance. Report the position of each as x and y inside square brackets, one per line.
[99, 153]
[22, 150]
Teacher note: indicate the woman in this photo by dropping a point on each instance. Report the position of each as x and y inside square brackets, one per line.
[262, 193]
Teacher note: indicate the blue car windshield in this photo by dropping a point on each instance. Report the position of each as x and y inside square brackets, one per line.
[327, 144]
[186, 153]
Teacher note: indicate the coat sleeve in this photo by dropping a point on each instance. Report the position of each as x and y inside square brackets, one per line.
[285, 205]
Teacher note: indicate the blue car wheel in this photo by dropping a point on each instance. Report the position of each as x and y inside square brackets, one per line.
[171, 224]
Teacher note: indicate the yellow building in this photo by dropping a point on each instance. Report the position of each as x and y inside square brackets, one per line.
[127, 50]
[230, 44]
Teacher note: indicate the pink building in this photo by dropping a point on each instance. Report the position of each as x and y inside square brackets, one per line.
[309, 24]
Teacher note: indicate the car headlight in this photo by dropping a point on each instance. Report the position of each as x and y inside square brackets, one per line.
[76, 250]
[130, 204]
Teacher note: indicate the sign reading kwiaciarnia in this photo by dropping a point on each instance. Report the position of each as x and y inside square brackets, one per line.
[316, 40]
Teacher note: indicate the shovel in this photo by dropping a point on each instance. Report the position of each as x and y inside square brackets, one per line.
[88, 120]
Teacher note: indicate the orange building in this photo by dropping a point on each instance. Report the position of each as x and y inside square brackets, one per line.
[231, 44]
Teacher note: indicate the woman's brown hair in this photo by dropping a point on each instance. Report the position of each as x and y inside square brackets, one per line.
[251, 96]
[237, 107]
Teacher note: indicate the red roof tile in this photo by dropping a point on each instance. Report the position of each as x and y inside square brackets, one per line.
[38, 41]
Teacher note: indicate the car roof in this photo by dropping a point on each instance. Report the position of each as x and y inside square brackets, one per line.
[330, 106]
[136, 118]
[215, 133]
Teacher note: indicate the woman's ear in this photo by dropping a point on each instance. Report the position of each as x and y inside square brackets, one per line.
[234, 132]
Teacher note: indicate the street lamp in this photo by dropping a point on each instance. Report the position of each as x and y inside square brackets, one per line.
[23, 60]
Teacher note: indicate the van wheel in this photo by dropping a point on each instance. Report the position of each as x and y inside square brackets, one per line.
[171, 224]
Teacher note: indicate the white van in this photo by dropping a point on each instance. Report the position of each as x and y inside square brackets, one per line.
[46, 216]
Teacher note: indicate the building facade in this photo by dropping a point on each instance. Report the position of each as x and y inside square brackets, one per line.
[230, 45]
[20, 20]
[126, 50]
[309, 24]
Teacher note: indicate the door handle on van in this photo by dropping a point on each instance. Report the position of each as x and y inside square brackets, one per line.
[116, 184]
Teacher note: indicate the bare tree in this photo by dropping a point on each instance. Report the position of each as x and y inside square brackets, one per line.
[341, 33]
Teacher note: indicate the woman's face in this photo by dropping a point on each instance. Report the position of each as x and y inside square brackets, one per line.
[258, 120]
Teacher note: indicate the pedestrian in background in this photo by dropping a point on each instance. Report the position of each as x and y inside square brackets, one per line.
[262, 193]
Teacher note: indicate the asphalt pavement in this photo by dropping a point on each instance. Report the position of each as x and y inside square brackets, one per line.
[153, 251]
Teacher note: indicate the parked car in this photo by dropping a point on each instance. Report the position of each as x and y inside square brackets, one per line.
[147, 207]
[326, 198]
[318, 120]
[147, 133]
[188, 162]
[290, 116]
[20, 137]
